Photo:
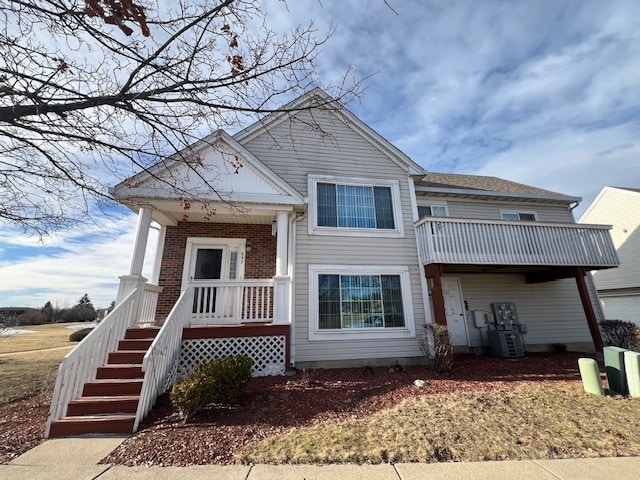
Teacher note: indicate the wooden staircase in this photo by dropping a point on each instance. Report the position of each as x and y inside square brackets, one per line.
[108, 404]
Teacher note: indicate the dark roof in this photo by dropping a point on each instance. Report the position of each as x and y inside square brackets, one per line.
[481, 184]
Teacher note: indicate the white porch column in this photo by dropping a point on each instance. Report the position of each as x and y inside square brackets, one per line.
[281, 246]
[134, 279]
[281, 279]
[155, 277]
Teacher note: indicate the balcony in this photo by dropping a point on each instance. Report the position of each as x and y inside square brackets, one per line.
[501, 243]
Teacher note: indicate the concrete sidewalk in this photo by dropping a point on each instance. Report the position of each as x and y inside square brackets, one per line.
[77, 459]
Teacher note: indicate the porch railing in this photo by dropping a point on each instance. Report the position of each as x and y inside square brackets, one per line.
[148, 303]
[461, 241]
[81, 364]
[163, 354]
[232, 301]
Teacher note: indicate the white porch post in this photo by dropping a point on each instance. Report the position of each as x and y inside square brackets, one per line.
[134, 279]
[155, 276]
[281, 279]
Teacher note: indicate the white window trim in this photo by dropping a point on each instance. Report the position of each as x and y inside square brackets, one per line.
[314, 229]
[225, 244]
[435, 204]
[518, 212]
[316, 334]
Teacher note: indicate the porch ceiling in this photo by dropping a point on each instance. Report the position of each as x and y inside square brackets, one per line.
[170, 212]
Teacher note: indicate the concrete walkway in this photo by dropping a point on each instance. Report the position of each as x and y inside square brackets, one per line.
[77, 459]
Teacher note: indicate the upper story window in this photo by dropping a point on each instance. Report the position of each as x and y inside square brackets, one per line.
[354, 206]
[434, 210]
[517, 216]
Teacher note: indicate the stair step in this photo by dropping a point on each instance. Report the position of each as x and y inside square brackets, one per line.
[135, 344]
[103, 405]
[70, 426]
[112, 387]
[139, 333]
[126, 356]
[124, 370]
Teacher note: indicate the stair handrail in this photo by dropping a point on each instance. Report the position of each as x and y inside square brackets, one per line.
[163, 354]
[81, 364]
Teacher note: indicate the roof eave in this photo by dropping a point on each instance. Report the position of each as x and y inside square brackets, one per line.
[491, 193]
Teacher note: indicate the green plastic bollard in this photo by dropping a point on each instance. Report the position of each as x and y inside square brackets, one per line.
[614, 366]
[632, 367]
[590, 374]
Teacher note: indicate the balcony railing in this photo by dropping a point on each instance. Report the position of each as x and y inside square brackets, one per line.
[460, 241]
[232, 301]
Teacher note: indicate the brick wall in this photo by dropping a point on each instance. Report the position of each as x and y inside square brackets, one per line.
[260, 262]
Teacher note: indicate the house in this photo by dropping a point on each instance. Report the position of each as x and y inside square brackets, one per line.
[300, 243]
[619, 289]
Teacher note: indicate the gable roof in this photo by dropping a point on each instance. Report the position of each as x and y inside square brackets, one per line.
[318, 98]
[143, 183]
[485, 186]
[634, 192]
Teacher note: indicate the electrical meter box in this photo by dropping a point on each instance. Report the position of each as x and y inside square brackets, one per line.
[505, 313]
[506, 335]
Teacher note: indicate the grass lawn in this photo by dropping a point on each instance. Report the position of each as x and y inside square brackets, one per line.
[528, 421]
[26, 367]
[43, 336]
[26, 374]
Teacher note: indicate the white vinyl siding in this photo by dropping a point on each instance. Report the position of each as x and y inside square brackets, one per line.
[621, 209]
[552, 310]
[345, 153]
[622, 307]
[484, 210]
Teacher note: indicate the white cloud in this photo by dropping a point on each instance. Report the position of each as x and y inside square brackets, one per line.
[89, 264]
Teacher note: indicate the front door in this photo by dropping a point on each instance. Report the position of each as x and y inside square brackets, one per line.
[209, 260]
[454, 309]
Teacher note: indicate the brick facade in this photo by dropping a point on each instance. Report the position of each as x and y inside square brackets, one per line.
[260, 262]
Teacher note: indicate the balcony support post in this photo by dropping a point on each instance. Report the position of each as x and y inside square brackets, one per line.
[588, 308]
[433, 271]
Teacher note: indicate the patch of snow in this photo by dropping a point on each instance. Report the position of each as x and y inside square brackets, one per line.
[11, 331]
[78, 326]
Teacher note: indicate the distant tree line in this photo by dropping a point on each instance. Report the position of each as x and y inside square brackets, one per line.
[82, 311]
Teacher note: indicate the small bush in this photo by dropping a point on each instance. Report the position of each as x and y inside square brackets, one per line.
[78, 335]
[220, 381]
[436, 347]
[619, 333]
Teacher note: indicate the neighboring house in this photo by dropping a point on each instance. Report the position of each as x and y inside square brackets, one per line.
[311, 252]
[619, 289]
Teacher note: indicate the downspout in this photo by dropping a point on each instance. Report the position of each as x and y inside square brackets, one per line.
[292, 260]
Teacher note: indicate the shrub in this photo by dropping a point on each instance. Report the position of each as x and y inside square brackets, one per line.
[79, 335]
[620, 333]
[436, 347]
[219, 381]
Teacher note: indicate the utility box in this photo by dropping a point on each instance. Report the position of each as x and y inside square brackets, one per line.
[614, 366]
[632, 368]
[505, 343]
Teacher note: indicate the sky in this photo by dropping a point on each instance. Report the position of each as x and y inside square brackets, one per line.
[546, 93]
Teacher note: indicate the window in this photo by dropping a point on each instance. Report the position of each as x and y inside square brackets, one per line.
[515, 216]
[432, 211]
[353, 206]
[361, 301]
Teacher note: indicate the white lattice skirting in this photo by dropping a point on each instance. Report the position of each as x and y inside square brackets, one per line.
[267, 352]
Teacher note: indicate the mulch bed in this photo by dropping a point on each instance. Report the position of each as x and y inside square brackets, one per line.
[22, 426]
[276, 404]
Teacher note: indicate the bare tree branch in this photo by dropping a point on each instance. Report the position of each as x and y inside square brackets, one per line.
[92, 91]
